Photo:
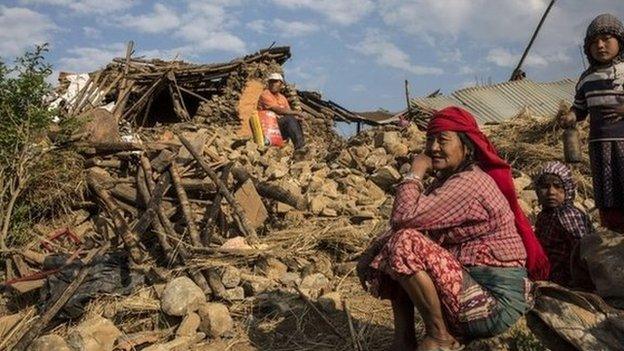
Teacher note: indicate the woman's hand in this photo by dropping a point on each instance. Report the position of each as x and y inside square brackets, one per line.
[613, 113]
[421, 165]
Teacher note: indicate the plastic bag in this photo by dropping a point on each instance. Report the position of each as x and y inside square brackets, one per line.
[270, 128]
[110, 273]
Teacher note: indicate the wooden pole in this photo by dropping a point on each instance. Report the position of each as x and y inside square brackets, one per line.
[184, 204]
[121, 226]
[269, 190]
[213, 212]
[526, 50]
[407, 99]
[246, 226]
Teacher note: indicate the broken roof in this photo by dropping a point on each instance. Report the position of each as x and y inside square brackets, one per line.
[498, 102]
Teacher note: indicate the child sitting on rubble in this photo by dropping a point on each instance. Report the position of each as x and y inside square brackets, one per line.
[600, 94]
[561, 225]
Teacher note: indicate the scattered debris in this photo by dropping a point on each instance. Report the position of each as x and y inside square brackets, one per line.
[190, 232]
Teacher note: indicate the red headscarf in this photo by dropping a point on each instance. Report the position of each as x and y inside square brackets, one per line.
[459, 120]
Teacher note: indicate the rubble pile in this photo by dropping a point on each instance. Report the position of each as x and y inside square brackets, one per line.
[191, 236]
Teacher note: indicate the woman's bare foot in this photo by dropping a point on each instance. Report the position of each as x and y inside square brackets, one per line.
[431, 343]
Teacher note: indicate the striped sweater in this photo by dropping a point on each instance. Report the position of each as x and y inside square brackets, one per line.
[597, 88]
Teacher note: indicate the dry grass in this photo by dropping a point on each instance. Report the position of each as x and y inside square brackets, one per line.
[55, 184]
[344, 241]
[527, 142]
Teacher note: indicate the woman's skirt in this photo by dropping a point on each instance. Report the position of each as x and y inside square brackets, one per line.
[478, 301]
[607, 168]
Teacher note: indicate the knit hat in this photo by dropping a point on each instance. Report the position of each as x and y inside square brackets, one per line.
[604, 24]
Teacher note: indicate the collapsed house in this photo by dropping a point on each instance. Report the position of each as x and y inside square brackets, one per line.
[191, 236]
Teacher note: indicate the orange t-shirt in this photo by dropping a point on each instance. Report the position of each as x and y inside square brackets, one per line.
[268, 99]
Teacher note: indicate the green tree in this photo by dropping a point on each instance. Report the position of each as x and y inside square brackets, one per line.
[24, 121]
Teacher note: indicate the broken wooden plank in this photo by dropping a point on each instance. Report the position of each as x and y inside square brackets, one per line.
[121, 226]
[184, 204]
[246, 227]
[270, 190]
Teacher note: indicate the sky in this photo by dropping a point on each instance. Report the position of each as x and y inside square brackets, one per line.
[355, 52]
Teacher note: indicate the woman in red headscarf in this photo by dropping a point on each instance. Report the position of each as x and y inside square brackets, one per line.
[460, 251]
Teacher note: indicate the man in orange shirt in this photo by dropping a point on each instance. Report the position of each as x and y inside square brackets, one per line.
[289, 120]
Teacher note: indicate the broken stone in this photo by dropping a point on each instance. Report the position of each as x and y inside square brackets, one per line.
[331, 302]
[101, 125]
[181, 296]
[290, 185]
[354, 181]
[290, 279]
[178, 344]
[315, 184]
[283, 208]
[215, 319]
[189, 325]
[234, 294]
[360, 152]
[252, 204]
[48, 343]
[373, 191]
[230, 277]
[344, 158]
[397, 150]
[330, 189]
[315, 285]
[294, 216]
[234, 155]
[236, 243]
[386, 177]
[387, 138]
[322, 264]
[329, 212]
[376, 159]
[251, 151]
[272, 268]
[94, 334]
[276, 171]
[254, 285]
[317, 204]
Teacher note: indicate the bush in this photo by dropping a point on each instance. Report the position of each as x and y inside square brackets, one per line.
[27, 156]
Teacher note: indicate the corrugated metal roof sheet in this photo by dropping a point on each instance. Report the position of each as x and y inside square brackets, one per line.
[502, 101]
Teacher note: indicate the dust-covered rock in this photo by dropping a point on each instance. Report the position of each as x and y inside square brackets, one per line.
[215, 319]
[94, 334]
[49, 343]
[181, 296]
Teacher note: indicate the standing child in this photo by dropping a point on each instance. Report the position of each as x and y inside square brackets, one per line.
[560, 226]
[600, 94]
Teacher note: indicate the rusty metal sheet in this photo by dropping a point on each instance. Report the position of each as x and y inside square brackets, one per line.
[499, 102]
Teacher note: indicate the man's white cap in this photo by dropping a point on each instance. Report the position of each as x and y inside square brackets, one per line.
[276, 76]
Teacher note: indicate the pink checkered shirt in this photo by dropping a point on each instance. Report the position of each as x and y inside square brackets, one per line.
[467, 215]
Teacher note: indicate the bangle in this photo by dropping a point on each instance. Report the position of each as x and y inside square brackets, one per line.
[411, 176]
